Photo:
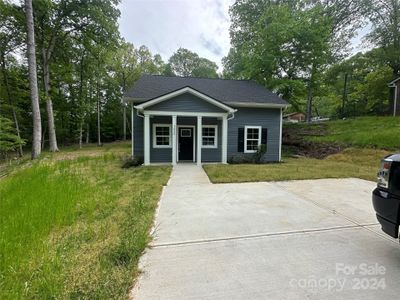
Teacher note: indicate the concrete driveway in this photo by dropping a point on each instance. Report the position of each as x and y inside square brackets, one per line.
[303, 239]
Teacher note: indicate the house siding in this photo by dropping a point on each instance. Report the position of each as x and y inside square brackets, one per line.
[159, 155]
[186, 103]
[264, 117]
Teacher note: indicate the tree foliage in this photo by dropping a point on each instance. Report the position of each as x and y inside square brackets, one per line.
[83, 69]
[300, 49]
[187, 63]
[9, 140]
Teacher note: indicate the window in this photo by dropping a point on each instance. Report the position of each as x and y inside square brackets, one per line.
[252, 138]
[209, 136]
[186, 132]
[161, 136]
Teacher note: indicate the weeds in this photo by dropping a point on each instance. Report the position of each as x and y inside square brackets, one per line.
[75, 228]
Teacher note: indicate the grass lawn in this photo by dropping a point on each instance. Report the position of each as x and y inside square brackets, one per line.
[75, 228]
[352, 162]
[379, 132]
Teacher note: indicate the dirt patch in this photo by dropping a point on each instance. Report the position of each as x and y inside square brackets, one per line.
[294, 142]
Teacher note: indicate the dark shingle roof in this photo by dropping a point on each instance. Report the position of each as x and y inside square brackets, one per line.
[226, 91]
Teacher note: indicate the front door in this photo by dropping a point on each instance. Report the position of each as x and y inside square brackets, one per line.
[186, 143]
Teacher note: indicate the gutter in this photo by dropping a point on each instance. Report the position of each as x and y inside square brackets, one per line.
[258, 105]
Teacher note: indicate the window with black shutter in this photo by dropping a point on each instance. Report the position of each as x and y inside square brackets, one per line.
[252, 138]
[240, 140]
[264, 136]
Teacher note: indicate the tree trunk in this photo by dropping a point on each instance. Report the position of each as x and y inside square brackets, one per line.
[33, 87]
[43, 135]
[80, 134]
[10, 102]
[124, 127]
[98, 117]
[49, 105]
[310, 94]
[309, 102]
[344, 98]
[87, 133]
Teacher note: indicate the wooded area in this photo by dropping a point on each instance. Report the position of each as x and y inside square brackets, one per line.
[299, 49]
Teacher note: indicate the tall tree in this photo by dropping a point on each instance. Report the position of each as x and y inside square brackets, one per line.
[286, 45]
[11, 39]
[33, 87]
[187, 63]
[385, 18]
[55, 21]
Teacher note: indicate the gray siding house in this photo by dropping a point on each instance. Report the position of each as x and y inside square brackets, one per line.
[177, 119]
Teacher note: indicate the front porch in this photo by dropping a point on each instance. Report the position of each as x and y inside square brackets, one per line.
[172, 137]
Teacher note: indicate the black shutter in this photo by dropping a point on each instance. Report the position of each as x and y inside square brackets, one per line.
[240, 140]
[264, 136]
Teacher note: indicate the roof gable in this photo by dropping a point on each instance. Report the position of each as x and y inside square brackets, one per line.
[186, 90]
[394, 81]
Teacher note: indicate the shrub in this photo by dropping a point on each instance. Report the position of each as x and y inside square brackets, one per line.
[249, 159]
[135, 161]
[258, 156]
[9, 141]
[240, 159]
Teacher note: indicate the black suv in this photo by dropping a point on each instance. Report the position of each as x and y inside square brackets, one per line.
[386, 197]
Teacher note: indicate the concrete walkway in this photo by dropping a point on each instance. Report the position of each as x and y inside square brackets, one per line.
[283, 240]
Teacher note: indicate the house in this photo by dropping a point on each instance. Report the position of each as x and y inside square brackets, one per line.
[176, 119]
[295, 117]
[394, 86]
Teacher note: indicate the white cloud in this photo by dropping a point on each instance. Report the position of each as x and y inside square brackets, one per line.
[165, 25]
[201, 26]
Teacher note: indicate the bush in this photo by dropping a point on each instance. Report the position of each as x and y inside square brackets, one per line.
[249, 159]
[9, 141]
[240, 159]
[135, 161]
[258, 156]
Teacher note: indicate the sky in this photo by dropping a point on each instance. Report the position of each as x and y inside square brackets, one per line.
[201, 26]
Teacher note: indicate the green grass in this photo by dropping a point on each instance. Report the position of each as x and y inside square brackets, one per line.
[377, 132]
[75, 228]
[359, 163]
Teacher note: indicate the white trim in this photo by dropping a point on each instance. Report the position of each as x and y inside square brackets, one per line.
[146, 129]
[215, 146]
[395, 86]
[180, 92]
[194, 140]
[224, 140]
[258, 105]
[245, 137]
[199, 139]
[394, 81]
[155, 137]
[280, 135]
[173, 132]
[182, 114]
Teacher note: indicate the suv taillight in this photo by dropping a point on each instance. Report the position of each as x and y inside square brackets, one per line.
[383, 174]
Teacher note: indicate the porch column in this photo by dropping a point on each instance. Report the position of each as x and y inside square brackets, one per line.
[132, 127]
[173, 140]
[146, 140]
[199, 139]
[224, 139]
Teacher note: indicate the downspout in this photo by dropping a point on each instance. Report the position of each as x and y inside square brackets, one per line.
[395, 98]
[395, 101]
[132, 130]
